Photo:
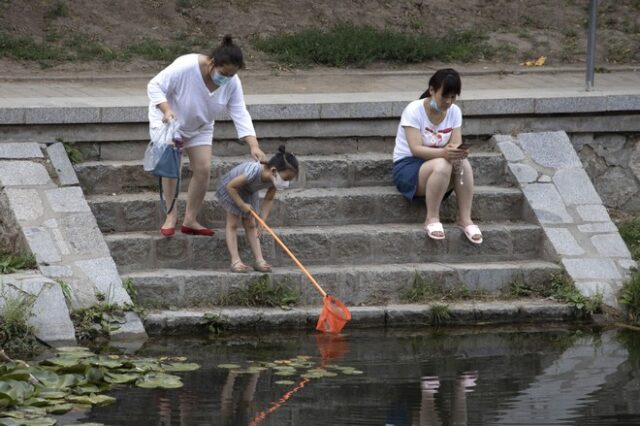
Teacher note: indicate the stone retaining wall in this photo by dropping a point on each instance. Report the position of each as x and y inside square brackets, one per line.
[612, 161]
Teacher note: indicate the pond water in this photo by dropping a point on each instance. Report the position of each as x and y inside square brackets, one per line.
[508, 376]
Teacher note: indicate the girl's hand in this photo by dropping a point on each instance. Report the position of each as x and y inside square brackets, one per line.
[245, 207]
[453, 154]
[168, 116]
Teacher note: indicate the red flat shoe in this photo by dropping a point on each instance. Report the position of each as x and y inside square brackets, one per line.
[190, 231]
[167, 232]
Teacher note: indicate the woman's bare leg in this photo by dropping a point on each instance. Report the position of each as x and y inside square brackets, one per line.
[200, 163]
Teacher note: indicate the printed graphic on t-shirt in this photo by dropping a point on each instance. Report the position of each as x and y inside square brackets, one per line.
[435, 138]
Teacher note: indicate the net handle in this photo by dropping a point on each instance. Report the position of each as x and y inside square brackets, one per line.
[295, 259]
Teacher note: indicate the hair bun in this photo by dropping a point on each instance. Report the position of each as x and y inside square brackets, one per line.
[227, 40]
[281, 149]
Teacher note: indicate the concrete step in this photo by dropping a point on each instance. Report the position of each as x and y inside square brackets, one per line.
[304, 207]
[324, 171]
[355, 285]
[328, 245]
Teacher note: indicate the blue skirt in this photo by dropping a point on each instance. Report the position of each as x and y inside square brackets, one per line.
[405, 177]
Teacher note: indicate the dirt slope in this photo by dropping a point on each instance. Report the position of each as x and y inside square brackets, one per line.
[518, 29]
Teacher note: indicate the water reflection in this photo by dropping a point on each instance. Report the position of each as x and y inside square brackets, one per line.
[508, 376]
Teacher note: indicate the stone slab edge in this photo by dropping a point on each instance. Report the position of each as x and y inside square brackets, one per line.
[49, 312]
[561, 197]
[317, 107]
[54, 223]
[463, 313]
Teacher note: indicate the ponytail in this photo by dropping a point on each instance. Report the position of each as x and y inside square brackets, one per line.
[283, 160]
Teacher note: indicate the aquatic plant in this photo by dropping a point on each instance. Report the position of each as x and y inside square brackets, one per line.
[75, 378]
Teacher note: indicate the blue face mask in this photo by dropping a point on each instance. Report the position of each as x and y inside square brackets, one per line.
[434, 105]
[219, 79]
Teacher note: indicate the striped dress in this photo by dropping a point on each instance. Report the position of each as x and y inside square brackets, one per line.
[249, 193]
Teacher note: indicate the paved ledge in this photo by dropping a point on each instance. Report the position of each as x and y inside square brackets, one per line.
[462, 313]
[133, 109]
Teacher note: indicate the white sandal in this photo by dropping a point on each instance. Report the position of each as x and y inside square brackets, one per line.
[471, 231]
[430, 228]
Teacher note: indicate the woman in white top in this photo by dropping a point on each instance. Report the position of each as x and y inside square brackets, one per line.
[429, 159]
[195, 90]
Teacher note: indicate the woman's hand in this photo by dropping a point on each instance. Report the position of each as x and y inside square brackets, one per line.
[257, 153]
[454, 154]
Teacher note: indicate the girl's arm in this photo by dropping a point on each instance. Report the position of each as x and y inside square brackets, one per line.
[267, 203]
[232, 187]
[448, 152]
[266, 208]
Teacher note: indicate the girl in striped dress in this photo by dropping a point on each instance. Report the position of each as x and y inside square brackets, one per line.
[238, 194]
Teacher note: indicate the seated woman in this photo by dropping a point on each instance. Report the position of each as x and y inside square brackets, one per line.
[429, 159]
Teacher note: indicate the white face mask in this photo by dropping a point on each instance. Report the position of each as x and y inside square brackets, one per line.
[280, 183]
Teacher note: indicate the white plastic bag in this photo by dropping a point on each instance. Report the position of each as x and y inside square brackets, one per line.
[156, 147]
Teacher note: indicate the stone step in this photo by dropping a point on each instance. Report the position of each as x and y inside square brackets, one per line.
[326, 171]
[317, 144]
[530, 311]
[328, 245]
[355, 285]
[304, 207]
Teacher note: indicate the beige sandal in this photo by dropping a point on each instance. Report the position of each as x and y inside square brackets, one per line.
[239, 267]
[262, 266]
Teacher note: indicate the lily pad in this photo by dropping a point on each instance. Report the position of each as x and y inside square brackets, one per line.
[255, 369]
[120, 378]
[104, 361]
[59, 409]
[228, 366]
[159, 380]
[285, 382]
[285, 373]
[181, 366]
[352, 372]
[52, 394]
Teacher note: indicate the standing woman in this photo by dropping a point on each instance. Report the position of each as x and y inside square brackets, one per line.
[195, 90]
[429, 159]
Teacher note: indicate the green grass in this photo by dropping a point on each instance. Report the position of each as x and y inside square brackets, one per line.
[10, 263]
[439, 314]
[347, 44]
[630, 232]
[560, 288]
[24, 48]
[423, 290]
[17, 337]
[630, 297]
[263, 292]
[74, 154]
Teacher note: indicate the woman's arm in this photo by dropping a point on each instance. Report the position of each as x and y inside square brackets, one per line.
[448, 152]
[242, 120]
[232, 187]
[256, 152]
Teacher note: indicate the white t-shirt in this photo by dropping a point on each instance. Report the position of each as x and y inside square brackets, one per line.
[414, 115]
[196, 108]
